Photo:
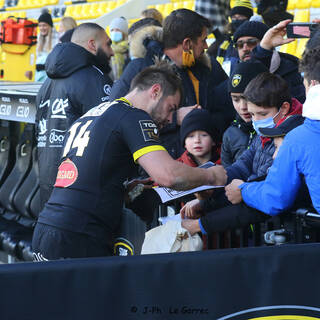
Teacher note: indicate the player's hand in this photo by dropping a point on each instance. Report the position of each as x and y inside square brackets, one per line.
[183, 111]
[135, 187]
[191, 225]
[191, 210]
[219, 175]
[274, 37]
[233, 192]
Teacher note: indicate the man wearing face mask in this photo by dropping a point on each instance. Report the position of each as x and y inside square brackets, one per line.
[77, 80]
[119, 36]
[184, 42]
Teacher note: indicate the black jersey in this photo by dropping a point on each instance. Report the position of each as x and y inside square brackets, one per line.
[100, 151]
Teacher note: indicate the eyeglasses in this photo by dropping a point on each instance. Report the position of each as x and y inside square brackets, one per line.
[250, 43]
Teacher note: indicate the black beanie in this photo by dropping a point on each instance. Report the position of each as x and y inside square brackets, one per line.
[46, 17]
[198, 119]
[243, 73]
[251, 29]
[242, 10]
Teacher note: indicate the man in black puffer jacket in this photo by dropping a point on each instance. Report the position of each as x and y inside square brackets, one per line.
[184, 41]
[77, 81]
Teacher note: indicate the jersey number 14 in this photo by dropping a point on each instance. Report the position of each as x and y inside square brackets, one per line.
[78, 140]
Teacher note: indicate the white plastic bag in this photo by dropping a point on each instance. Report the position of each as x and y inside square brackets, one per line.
[170, 237]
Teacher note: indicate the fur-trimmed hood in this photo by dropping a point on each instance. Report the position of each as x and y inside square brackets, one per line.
[136, 40]
[154, 34]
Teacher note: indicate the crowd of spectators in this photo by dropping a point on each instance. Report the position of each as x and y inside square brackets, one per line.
[235, 108]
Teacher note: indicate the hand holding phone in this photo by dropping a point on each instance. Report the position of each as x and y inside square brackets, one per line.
[301, 29]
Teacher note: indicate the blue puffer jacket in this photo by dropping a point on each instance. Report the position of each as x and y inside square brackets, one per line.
[297, 159]
[255, 161]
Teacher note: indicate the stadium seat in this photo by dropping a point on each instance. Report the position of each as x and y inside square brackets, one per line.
[303, 4]
[291, 5]
[301, 46]
[302, 16]
[289, 48]
[93, 12]
[315, 4]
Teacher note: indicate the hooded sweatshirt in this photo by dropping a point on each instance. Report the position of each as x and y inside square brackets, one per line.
[75, 84]
[297, 159]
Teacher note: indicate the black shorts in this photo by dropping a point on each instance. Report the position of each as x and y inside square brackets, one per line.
[51, 243]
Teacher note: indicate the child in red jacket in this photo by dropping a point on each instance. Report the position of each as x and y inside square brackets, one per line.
[200, 138]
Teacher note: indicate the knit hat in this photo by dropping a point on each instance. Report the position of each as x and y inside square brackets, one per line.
[243, 73]
[143, 23]
[46, 17]
[251, 29]
[243, 7]
[119, 23]
[198, 119]
[290, 123]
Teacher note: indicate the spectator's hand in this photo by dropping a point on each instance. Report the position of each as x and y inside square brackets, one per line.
[191, 225]
[274, 37]
[191, 210]
[233, 191]
[183, 111]
[135, 187]
[28, 74]
[219, 175]
[203, 194]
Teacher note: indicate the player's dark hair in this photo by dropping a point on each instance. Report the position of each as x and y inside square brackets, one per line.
[310, 64]
[182, 24]
[268, 90]
[162, 73]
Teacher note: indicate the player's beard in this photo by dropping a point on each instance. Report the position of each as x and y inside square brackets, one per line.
[103, 61]
[155, 115]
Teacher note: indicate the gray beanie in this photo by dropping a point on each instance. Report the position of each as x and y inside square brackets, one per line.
[119, 23]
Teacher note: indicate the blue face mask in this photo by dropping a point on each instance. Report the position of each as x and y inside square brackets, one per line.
[264, 123]
[116, 36]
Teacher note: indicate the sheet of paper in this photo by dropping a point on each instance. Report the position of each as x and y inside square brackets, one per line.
[167, 194]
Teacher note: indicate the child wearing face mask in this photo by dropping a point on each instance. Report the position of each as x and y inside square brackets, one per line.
[120, 46]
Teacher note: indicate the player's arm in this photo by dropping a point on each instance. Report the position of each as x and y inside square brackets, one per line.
[167, 172]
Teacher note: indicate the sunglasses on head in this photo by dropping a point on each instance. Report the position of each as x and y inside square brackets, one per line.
[250, 43]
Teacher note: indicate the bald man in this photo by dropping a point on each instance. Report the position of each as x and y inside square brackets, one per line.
[77, 80]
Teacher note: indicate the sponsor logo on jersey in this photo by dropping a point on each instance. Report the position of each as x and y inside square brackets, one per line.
[42, 126]
[98, 110]
[149, 130]
[56, 137]
[58, 108]
[44, 104]
[67, 174]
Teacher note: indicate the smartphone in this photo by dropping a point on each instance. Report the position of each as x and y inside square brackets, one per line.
[301, 29]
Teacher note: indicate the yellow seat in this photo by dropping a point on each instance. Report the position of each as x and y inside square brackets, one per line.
[291, 5]
[232, 3]
[302, 16]
[178, 5]
[168, 8]
[289, 47]
[103, 8]
[315, 4]
[86, 11]
[303, 4]
[301, 46]
[189, 5]
[111, 5]
[69, 11]
[93, 12]
[77, 13]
